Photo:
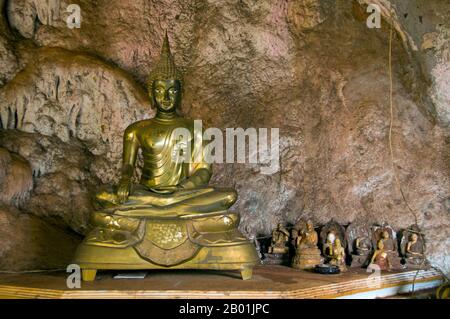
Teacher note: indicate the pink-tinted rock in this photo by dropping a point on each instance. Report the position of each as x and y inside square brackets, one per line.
[311, 68]
[29, 243]
[16, 179]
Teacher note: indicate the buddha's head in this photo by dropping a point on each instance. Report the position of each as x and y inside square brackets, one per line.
[337, 242]
[309, 225]
[414, 238]
[385, 234]
[166, 94]
[165, 82]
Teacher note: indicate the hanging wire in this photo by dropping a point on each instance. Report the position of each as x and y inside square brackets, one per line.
[394, 170]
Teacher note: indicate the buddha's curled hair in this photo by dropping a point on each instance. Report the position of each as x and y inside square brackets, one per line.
[165, 68]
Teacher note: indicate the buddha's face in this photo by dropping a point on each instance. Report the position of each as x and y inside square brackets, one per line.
[166, 94]
[385, 235]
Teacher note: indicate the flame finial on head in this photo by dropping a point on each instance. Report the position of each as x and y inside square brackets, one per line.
[165, 68]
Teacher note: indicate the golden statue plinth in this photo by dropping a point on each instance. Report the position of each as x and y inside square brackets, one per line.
[172, 219]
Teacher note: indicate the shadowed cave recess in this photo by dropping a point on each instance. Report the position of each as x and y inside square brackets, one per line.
[311, 68]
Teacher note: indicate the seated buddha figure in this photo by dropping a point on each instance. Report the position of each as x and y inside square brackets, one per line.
[168, 187]
[381, 257]
[390, 247]
[333, 251]
[172, 218]
[387, 241]
[307, 254]
[362, 246]
[414, 252]
[280, 237]
[338, 255]
[413, 247]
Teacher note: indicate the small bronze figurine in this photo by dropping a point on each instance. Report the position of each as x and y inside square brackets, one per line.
[387, 236]
[334, 252]
[333, 243]
[336, 229]
[307, 255]
[280, 237]
[412, 248]
[381, 257]
[278, 251]
[359, 243]
[362, 246]
[338, 255]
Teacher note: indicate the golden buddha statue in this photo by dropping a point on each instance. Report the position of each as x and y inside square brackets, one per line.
[172, 219]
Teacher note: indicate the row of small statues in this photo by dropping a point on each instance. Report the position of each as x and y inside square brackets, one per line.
[357, 245]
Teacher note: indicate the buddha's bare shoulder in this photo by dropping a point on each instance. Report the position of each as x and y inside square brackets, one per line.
[139, 125]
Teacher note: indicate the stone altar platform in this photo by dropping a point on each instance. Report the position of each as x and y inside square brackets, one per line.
[267, 282]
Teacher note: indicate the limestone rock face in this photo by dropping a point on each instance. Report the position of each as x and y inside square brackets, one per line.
[29, 243]
[63, 179]
[8, 59]
[78, 108]
[74, 96]
[16, 177]
[305, 15]
[311, 68]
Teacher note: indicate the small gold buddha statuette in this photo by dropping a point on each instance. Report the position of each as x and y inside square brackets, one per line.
[307, 254]
[172, 219]
[381, 257]
[334, 252]
[338, 255]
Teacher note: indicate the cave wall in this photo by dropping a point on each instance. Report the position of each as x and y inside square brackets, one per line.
[311, 68]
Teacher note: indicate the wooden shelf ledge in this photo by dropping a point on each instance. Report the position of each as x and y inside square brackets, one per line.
[267, 282]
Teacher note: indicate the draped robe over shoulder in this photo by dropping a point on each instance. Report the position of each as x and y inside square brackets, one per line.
[160, 191]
